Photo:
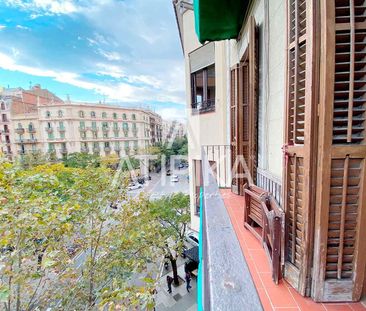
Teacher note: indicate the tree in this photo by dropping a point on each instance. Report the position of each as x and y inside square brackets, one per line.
[44, 209]
[173, 213]
[82, 160]
[35, 222]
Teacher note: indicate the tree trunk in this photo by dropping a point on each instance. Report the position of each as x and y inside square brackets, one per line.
[173, 261]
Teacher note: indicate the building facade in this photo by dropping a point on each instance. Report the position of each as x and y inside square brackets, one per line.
[279, 85]
[173, 129]
[64, 127]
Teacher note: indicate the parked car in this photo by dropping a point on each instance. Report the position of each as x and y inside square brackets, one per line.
[181, 165]
[192, 238]
[141, 180]
[174, 178]
[134, 186]
[168, 173]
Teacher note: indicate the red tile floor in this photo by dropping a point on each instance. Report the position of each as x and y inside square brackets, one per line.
[279, 297]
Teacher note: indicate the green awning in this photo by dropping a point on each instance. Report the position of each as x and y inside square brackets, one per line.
[219, 19]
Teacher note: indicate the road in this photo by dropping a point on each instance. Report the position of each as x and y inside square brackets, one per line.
[160, 185]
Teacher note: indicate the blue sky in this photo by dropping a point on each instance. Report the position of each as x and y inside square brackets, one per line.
[124, 51]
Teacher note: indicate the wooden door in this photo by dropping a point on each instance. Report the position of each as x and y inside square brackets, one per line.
[340, 240]
[300, 144]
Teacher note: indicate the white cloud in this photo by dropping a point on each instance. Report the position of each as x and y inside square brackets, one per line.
[2, 27]
[120, 91]
[22, 27]
[111, 56]
[172, 114]
[48, 7]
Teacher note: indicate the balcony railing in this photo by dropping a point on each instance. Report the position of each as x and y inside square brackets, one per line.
[19, 130]
[224, 277]
[207, 106]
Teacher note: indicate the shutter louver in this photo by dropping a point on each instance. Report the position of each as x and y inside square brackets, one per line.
[341, 200]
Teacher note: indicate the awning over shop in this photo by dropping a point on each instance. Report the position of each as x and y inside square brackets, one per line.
[219, 20]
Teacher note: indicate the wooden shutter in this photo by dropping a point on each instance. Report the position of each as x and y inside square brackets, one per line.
[300, 145]
[253, 98]
[244, 103]
[233, 126]
[340, 242]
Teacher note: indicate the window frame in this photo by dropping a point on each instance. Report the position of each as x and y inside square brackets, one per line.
[207, 105]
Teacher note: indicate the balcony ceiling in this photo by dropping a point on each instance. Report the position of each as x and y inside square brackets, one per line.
[219, 20]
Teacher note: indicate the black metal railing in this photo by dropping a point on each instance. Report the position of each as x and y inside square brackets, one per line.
[224, 276]
[206, 106]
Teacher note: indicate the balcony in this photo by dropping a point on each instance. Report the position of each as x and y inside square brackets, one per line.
[61, 129]
[49, 129]
[226, 280]
[105, 129]
[19, 130]
[31, 130]
[117, 148]
[84, 149]
[107, 149]
[63, 151]
[96, 149]
[93, 129]
[21, 152]
[82, 129]
[204, 107]
[26, 141]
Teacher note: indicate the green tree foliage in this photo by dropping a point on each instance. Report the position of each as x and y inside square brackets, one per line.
[47, 209]
[173, 213]
[82, 160]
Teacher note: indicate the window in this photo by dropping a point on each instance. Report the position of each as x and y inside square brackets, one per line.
[104, 114]
[124, 116]
[81, 114]
[105, 125]
[127, 145]
[125, 126]
[115, 125]
[60, 113]
[105, 134]
[114, 115]
[49, 125]
[95, 135]
[62, 135]
[50, 135]
[82, 125]
[48, 114]
[92, 114]
[133, 116]
[30, 126]
[51, 147]
[106, 144]
[203, 89]
[94, 125]
[2, 106]
[20, 126]
[83, 135]
[61, 125]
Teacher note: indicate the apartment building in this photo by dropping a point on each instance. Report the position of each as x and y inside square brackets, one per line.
[63, 127]
[173, 129]
[276, 114]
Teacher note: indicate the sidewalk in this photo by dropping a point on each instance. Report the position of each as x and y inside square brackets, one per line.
[179, 299]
